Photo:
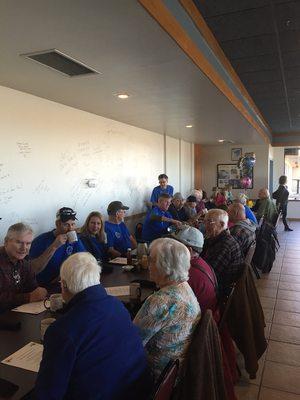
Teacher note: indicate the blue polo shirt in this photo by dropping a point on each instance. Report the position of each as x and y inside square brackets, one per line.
[93, 351]
[157, 191]
[155, 229]
[250, 215]
[118, 236]
[51, 270]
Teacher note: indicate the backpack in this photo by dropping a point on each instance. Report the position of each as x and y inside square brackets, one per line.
[267, 245]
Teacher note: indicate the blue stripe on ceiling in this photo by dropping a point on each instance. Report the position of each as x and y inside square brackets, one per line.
[187, 23]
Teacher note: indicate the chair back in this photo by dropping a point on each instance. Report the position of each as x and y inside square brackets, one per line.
[225, 307]
[250, 253]
[166, 381]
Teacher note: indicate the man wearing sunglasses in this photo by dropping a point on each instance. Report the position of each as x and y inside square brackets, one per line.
[49, 250]
[17, 281]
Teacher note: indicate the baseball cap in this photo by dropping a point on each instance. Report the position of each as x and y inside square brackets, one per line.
[191, 199]
[66, 213]
[178, 196]
[114, 206]
[189, 236]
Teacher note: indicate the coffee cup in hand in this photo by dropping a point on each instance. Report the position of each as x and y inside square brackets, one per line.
[72, 236]
[55, 302]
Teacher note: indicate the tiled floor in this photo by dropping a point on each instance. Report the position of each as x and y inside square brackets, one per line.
[278, 377]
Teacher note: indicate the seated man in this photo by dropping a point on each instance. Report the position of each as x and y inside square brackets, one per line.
[119, 238]
[242, 199]
[49, 250]
[221, 250]
[177, 209]
[17, 280]
[202, 278]
[243, 230]
[93, 351]
[163, 188]
[158, 220]
[264, 207]
[190, 207]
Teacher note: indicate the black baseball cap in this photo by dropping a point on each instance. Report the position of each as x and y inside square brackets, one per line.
[115, 206]
[65, 213]
[191, 199]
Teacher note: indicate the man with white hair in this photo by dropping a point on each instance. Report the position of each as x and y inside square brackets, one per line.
[242, 199]
[49, 250]
[17, 280]
[221, 250]
[93, 351]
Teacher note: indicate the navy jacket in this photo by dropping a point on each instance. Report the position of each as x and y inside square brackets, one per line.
[93, 352]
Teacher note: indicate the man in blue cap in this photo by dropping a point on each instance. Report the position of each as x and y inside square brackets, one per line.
[49, 250]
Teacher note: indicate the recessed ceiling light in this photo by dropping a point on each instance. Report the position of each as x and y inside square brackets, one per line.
[221, 140]
[189, 126]
[122, 96]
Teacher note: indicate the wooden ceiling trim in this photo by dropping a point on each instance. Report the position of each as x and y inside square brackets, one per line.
[285, 134]
[169, 23]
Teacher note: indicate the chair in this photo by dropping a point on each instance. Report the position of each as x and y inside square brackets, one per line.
[166, 381]
[248, 259]
[225, 306]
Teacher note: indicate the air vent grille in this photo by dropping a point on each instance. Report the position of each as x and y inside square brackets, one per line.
[60, 62]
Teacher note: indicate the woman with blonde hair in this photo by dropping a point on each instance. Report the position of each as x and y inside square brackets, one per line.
[93, 236]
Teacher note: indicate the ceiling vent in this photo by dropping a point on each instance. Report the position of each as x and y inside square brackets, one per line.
[60, 62]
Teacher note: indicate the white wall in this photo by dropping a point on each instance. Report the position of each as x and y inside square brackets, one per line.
[49, 150]
[221, 154]
[278, 159]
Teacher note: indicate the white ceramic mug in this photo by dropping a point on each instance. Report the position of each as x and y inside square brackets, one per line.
[72, 236]
[55, 302]
[45, 323]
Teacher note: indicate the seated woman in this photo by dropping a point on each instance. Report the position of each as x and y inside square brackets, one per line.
[264, 207]
[93, 236]
[168, 317]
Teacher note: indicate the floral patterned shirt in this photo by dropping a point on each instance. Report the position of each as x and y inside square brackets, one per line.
[166, 321]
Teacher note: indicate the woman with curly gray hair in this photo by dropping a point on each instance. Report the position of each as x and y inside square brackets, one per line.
[167, 318]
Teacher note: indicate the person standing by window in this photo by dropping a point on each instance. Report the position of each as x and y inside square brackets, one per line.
[282, 197]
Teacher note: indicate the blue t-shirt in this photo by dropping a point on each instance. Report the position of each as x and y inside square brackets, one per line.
[51, 270]
[155, 229]
[93, 246]
[157, 191]
[250, 215]
[118, 236]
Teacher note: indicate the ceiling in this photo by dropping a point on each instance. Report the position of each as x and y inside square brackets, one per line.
[133, 53]
[261, 39]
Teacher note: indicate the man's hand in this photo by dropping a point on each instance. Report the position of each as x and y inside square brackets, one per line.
[176, 222]
[38, 294]
[60, 240]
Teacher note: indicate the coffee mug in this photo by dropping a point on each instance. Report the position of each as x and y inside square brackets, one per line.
[72, 236]
[55, 302]
[45, 323]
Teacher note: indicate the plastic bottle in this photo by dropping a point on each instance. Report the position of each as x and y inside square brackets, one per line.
[129, 256]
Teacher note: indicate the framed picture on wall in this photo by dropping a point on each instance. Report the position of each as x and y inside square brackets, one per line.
[230, 174]
[236, 153]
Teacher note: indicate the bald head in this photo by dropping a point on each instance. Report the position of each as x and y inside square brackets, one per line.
[236, 212]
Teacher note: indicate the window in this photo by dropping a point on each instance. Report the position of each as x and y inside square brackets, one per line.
[292, 171]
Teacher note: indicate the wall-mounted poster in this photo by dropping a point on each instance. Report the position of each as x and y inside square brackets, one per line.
[230, 174]
[236, 154]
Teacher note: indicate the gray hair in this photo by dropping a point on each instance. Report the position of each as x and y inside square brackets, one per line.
[18, 228]
[172, 259]
[80, 271]
[219, 215]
